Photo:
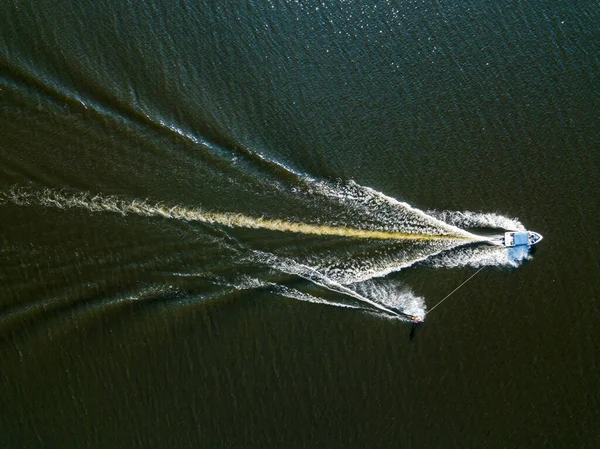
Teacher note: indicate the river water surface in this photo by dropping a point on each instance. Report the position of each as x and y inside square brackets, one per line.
[217, 220]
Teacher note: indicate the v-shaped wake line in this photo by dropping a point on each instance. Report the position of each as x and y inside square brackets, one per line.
[313, 275]
[100, 203]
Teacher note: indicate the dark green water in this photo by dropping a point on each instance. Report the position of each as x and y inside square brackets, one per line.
[155, 157]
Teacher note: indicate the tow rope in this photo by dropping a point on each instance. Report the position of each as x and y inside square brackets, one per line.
[449, 294]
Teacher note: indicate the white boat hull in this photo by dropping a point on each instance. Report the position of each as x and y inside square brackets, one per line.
[525, 238]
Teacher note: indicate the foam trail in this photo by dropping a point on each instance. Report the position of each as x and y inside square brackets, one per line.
[469, 219]
[479, 256]
[391, 294]
[99, 203]
[245, 282]
[300, 296]
[376, 269]
[291, 267]
[381, 210]
[394, 294]
[432, 239]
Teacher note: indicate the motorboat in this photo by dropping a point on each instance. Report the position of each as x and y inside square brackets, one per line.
[522, 238]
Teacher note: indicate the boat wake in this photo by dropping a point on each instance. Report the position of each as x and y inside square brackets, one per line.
[99, 203]
[347, 252]
[242, 210]
[469, 219]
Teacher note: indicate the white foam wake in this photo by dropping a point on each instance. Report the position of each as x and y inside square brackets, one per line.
[101, 203]
[480, 256]
[372, 207]
[469, 219]
[407, 236]
[393, 294]
[290, 266]
[244, 282]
